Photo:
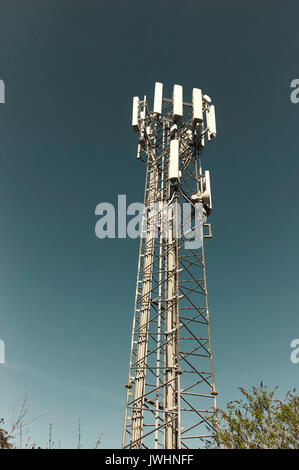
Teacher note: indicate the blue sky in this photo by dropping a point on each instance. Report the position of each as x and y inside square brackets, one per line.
[66, 297]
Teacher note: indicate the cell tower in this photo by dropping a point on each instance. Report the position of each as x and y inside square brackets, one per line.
[171, 395]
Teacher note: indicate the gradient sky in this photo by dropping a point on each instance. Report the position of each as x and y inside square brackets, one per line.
[71, 68]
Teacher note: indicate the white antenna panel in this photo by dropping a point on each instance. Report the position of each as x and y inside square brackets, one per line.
[207, 195]
[177, 102]
[174, 160]
[197, 105]
[135, 113]
[211, 121]
[158, 98]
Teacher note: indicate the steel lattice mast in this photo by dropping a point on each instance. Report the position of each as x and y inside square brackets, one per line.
[171, 395]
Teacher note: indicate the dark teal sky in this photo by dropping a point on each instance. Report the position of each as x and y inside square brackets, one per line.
[66, 298]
